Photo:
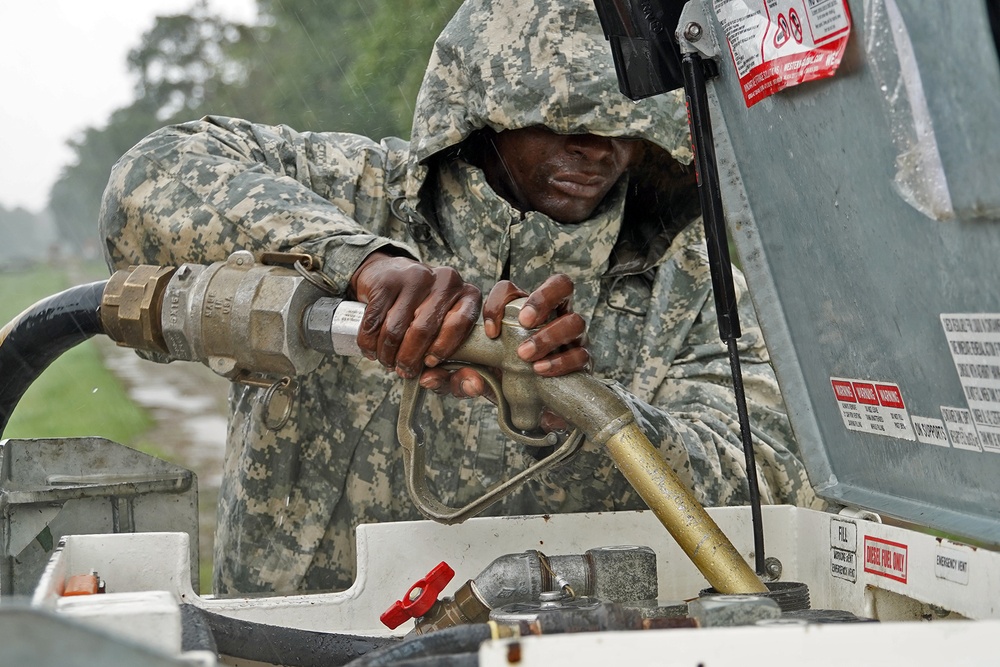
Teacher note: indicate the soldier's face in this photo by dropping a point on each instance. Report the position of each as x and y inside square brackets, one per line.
[564, 176]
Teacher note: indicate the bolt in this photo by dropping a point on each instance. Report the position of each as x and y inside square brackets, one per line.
[692, 32]
[940, 612]
[772, 568]
[415, 593]
[183, 272]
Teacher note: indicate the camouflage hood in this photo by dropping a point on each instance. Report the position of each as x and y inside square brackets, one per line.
[508, 64]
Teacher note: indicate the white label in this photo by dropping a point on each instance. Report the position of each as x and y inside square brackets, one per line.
[974, 343]
[961, 430]
[844, 564]
[843, 535]
[930, 431]
[951, 564]
[843, 549]
[872, 407]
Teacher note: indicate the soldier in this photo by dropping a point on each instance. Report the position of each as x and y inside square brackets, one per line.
[525, 165]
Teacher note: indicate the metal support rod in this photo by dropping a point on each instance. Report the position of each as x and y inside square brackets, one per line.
[720, 265]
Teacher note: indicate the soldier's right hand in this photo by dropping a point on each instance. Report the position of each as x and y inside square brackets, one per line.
[416, 315]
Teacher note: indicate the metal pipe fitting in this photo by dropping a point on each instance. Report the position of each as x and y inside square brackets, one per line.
[238, 317]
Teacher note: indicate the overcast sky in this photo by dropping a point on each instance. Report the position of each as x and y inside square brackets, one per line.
[62, 69]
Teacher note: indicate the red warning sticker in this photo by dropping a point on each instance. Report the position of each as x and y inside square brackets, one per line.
[780, 43]
[873, 407]
[885, 558]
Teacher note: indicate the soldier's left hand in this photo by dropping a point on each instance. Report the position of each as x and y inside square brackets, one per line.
[556, 347]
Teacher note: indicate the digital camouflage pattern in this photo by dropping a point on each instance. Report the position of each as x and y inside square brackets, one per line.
[290, 499]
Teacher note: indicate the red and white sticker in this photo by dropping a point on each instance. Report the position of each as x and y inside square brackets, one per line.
[873, 407]
[885, 558]
[780, 43]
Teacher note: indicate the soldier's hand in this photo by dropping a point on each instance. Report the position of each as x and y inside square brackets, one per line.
[557, 348]
[416, 315]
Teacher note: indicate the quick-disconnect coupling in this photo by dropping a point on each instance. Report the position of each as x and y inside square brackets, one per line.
[239, 317]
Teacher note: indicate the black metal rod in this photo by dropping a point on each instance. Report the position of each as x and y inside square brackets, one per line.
[721, 269]
[754, 488]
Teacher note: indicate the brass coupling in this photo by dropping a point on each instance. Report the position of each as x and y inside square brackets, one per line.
[131, 306]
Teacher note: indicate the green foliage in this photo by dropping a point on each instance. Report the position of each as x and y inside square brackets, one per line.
[76, 395]
[75, 198]
[390, 63]
[183, 61]
[343, 66]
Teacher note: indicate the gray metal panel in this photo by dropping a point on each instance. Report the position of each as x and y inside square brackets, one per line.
[849, 279]
[50, 488]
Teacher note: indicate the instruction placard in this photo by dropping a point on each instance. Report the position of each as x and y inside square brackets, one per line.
[974, 343]
[961, 430]
[780, 43]
[873, 407]
[843, 550]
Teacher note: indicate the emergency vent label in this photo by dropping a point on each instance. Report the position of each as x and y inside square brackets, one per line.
[776, 44]
[885, 558]
[873, 407]
[974, 343]
[951, 564]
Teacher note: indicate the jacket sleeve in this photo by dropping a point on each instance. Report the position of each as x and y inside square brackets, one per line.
[198, 191]
[692, 418]
[679, 387]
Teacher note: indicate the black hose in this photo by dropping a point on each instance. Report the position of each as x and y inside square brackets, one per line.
[36, 338]
[272, 644]
[453, 642]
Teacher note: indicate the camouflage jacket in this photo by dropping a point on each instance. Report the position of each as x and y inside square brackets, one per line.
[291, 499]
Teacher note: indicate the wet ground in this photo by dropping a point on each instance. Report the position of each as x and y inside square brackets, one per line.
[188, 404]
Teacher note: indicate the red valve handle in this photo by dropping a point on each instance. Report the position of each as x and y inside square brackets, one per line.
[420, 598]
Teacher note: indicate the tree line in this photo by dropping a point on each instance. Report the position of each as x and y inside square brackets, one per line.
[351, 66]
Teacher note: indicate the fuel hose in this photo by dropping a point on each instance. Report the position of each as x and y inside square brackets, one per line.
[34, 339]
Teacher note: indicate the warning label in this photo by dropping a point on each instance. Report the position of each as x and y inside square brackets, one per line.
[776, 44]
[974, 343]
[885, 558]
[873, 407]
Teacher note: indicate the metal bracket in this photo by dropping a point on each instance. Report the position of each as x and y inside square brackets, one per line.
[694, 31]
[860, 514]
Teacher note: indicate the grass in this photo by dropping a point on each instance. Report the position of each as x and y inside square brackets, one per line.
[76, 395]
